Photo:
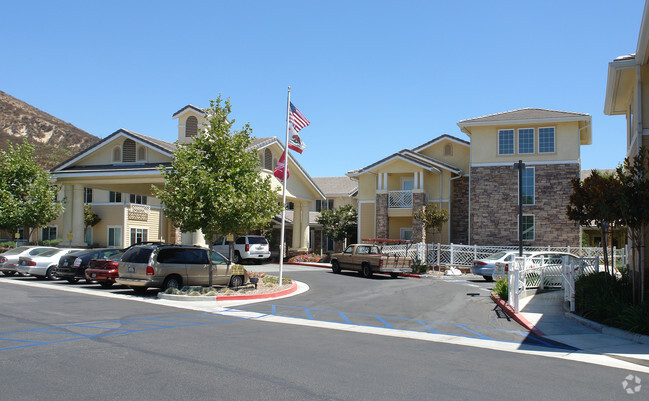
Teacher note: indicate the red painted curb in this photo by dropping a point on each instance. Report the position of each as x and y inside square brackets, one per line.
[287, 291]
[520, 319]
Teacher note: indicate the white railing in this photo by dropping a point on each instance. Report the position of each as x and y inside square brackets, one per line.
[139, 209]
[400, 199]
[464, 255]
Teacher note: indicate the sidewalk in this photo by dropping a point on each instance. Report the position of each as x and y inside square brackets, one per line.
[546, 313]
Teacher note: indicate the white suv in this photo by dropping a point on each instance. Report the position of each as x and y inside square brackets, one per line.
[247, 247]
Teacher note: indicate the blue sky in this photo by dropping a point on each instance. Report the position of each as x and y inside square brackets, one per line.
[373, 77]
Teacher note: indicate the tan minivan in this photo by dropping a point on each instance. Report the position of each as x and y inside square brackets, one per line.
[175, 266]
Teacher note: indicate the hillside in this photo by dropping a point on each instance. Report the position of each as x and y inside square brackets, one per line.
[55, 140]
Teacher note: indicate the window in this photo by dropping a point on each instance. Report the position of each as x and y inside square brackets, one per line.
[87, 195]
[114, 197]
[528, 186]
[139, 235]
[327, 204]
[506, 142]
[407, 184]
[114, 237]
[526, 140]
[138, 199]
[128, 151]
[141, 153]
[191, 126]
[330, 244]
[48, 233]
[117, 154]
[546, 140]
[528, 228]
[268, 159]
[405, 234]
[290, 206]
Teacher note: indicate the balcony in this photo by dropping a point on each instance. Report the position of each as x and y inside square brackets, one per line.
[400, 200]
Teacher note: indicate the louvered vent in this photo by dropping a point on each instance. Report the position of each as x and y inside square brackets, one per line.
[191, 126]
[268, 159]
[128, 151]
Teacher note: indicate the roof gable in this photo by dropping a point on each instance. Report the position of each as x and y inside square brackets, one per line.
[191, 108]
[524, 116]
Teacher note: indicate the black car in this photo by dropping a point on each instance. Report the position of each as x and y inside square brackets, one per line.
[72, 266]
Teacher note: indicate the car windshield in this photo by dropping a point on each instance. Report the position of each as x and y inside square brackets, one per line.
[257, 240]
[16, 251]
[137, 255]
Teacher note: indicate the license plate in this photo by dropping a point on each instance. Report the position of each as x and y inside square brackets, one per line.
[65, 263]
[130, 269]
[93, 275]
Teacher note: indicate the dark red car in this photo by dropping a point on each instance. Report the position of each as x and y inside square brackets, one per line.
[103, 271]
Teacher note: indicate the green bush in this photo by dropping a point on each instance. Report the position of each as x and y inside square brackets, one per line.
[501, 288]
[608, 300]
[51, 242]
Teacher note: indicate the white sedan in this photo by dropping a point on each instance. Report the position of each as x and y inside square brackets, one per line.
[44, 264]
[9, 259]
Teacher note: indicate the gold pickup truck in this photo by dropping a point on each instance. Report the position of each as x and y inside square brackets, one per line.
[368, 259]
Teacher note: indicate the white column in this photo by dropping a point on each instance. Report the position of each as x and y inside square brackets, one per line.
[67, 213]
[379, 181]
[295, 242]
[421, 179]
[304, 224]
[125, 229]
[77, 216]
[385, 181]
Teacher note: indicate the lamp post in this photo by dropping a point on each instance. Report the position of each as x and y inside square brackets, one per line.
[520, 166]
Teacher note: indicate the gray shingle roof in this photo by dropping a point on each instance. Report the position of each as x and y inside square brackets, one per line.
[526, 114]
[336, 186]
[189, 106]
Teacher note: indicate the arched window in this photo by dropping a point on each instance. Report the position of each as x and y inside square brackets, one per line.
[141, 153]
[268, 159]
[117, 154]
[128, 151]
[191, 126]
[448, 150]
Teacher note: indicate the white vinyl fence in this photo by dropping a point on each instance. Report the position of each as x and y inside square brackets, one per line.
[453, 255]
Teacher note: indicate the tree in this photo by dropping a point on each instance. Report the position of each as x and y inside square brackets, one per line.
[90, 218]
[339, 223]
[633, 176]
[214, 184]
[433, 218]
[27, 195]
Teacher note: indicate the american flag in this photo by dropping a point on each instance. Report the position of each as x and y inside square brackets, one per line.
[297, 119]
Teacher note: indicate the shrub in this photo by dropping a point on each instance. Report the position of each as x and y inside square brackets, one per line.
[501, 288]
[52, 242]
[307, 257]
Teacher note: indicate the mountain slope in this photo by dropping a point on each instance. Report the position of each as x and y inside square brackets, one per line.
[55, 140]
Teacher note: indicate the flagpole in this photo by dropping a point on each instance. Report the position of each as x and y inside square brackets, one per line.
[281, 242]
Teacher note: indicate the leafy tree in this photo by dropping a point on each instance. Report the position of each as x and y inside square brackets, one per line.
[633, 176]
[90, 218]
[27, 195]
[433, 218]
[214, 184]
[339, 223]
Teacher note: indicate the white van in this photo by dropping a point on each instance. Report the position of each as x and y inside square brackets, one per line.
[247, 247]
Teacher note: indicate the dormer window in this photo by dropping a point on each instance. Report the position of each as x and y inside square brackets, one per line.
[141, 153]
[191, 126]
[117, 154]
[128, 151]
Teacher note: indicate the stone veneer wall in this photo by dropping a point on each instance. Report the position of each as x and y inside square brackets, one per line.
[460, 211]
[418, 202]
[382, 227]
[494, 206]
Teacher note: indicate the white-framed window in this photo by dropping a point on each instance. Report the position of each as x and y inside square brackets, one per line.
[87, 195]
[528, 228]
[88, 236]
[528, 186]
[526, 140]
[506, 142]
[115, 236]
[138, 199]
[139, 235]
[48, 233]
[326, 204]
[405, 233]
[407, 184]
[114, 197]
[546, 140]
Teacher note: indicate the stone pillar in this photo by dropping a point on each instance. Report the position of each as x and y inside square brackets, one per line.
[418, 203]
[77, 216]
[382, 220]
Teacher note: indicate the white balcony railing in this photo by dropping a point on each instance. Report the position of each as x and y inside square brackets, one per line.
[400, 199]
[139, 209]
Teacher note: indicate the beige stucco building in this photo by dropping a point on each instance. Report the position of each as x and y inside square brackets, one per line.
[116, 177]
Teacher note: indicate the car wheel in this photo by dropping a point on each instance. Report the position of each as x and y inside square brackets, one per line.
[236, 281]
[72, 280]
[488, 278]
[236, 259]
[9, 273]
[172, 282]
[106, 284]
[335, 267]
[394, 275]
[139, 290]
[366, 270]
[51, 273]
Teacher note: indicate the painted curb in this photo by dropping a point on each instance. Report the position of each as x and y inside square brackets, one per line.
[607, 330]
[185, 298]
[520, 319]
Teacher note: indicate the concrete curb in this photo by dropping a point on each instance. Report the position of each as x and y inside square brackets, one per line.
[604, 329]
[520, 319]
[186, 298]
